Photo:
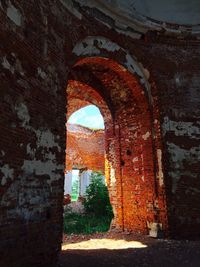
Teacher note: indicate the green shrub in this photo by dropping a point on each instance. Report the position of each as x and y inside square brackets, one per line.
[98, 211]
[97, 199]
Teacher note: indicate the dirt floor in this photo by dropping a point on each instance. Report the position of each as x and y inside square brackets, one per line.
[121, 250]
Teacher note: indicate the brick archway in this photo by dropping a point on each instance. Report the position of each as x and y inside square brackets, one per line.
[136, 192]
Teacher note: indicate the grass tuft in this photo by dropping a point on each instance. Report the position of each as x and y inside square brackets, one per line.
[75, 223]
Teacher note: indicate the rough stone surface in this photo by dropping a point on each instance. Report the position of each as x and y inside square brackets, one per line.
[147, 86]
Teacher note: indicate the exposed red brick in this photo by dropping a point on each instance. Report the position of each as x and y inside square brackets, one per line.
[85, 148]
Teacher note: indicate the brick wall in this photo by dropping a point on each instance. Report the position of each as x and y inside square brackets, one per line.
[85, 148]
[32, 129]
[148, 92]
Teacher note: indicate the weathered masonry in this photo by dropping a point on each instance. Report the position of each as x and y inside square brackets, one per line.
[84, 153]
[85, 148]
[140, 65]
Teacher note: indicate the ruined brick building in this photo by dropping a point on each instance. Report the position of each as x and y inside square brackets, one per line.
[84, 153]
[84, 148]
[139, 63]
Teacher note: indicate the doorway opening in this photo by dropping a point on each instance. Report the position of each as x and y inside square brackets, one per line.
[133, 171]
[87, 207]
[71, 185]
[85, 149]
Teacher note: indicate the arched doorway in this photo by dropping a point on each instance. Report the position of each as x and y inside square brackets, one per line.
[131, 165]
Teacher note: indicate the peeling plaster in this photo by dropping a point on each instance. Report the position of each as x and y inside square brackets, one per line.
[177, 79]
[7, 65]
[121, 22]
[146, 136]
[181, 128]
[11, 195]
[69, 5]
[8, 174]
[19, 68]
[135, 159]
[46, 153]
[108, 45]
[89, 50]
[49, 167]
[160, 171]
[112, 177]
[51, 156]
[92, 45]
[30, 202]
[137, 68]
[43, 168]
[41, 73]
[3, 153]
[30, 151]
[46, 139]
[175, 178]
[16, 67]
[88, 46]
[134, 35]
[141, 16]
[178, 156]
[23, 114]
[14, 14]
[23, 83]
[154, 229]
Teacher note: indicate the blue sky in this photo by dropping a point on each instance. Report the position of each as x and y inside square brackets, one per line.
[89, 116]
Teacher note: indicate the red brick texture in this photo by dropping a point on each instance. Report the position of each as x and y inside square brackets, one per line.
[149, 95]
[136, 194]
[85, 148]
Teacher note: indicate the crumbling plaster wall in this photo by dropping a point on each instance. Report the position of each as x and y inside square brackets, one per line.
[180, 109]
[37, 52]
[32, 128]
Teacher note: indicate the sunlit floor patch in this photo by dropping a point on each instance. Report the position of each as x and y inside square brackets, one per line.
[105, 243]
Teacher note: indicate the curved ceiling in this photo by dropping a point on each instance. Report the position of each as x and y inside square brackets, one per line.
[184, 12]
[175, 16]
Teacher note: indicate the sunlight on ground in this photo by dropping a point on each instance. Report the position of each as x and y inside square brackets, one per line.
[105, 243]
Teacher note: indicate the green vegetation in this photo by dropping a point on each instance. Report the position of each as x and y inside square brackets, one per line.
[75, 190]
[97, 200]
[85, 224]
[98, 211]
